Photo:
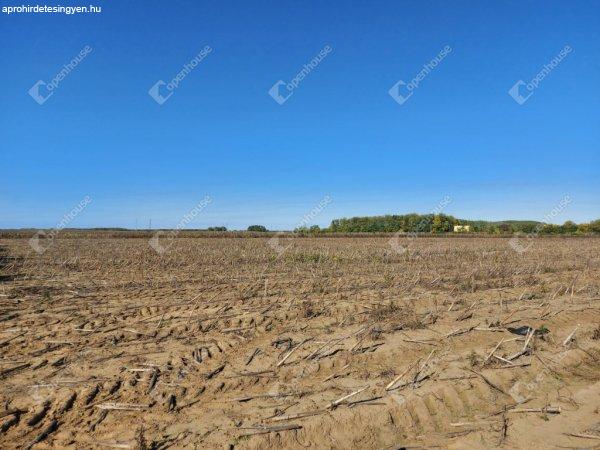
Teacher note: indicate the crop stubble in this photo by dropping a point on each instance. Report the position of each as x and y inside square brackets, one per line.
[336, 343]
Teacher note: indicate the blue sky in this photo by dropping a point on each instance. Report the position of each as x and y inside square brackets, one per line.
[341, 134]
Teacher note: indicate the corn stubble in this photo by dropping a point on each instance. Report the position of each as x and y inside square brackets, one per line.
[338, 342]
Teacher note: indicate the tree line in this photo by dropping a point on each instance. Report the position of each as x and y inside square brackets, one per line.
[443, 223]
[435, 223]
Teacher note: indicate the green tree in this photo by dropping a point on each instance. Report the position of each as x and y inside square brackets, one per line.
[302, 231]
[261, 228]
[594, 226]
[583, 228]
[504, 228]
[569, 227]
[436, 224]
[551, 228]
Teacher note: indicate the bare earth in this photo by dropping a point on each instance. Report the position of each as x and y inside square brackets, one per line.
[337, 343]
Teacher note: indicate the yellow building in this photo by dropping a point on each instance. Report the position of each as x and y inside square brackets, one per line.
[462, 228]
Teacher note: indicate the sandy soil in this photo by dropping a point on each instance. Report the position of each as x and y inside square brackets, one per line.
[334, 343]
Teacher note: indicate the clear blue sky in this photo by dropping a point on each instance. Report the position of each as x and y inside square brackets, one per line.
[340, 134]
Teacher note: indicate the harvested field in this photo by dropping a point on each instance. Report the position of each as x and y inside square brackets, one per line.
[334, 343]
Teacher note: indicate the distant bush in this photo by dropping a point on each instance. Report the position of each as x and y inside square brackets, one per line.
[594, 226]
[217, 229]
[261, 228]
[305, 231]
